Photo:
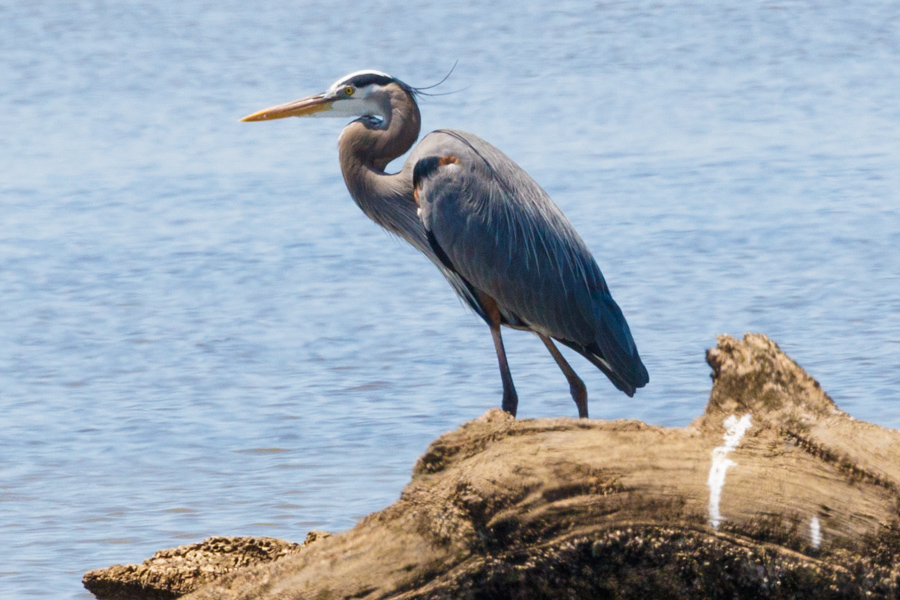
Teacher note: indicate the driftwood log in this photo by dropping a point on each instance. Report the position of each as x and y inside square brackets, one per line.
[772, 493]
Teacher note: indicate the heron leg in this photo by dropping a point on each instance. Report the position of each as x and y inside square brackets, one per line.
[510, 398]
[576, 385]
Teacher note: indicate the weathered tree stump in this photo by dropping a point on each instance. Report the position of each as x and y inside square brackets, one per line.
[772, 493]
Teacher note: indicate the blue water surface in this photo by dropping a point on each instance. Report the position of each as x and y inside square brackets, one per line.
[201, 334]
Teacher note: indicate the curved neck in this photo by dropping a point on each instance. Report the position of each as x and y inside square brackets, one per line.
[375, 146]
[365, 151]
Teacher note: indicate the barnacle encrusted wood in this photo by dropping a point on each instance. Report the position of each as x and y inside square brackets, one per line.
[773, 492]
[174, 572]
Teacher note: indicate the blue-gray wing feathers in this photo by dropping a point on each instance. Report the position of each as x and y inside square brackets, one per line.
[488, 221]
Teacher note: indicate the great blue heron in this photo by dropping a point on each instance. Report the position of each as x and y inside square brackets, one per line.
[497, 237]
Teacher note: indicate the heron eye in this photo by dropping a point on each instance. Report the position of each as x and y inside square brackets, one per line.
[349, 90]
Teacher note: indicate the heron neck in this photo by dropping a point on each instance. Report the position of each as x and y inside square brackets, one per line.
[365, 152]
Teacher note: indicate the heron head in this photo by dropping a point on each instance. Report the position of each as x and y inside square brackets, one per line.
[365, 95]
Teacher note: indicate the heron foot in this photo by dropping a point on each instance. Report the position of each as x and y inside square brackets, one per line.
[510, 401]
[579, 395]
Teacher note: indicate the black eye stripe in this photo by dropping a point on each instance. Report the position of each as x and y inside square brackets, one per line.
[364, 79]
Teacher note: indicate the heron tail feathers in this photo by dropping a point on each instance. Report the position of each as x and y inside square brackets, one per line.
[613, 350]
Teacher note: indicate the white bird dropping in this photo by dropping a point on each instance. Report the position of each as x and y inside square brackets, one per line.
[815, 532]
[734, 430]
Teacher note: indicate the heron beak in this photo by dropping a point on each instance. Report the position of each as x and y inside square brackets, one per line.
[298, 108]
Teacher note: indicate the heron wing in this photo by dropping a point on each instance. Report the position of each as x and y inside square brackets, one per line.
[491, 223]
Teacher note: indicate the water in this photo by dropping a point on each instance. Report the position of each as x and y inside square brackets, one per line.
[200, 334]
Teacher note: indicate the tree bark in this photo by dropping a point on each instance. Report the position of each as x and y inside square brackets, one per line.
[773, 492]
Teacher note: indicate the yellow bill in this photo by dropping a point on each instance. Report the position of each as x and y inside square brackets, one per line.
[298, 108]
